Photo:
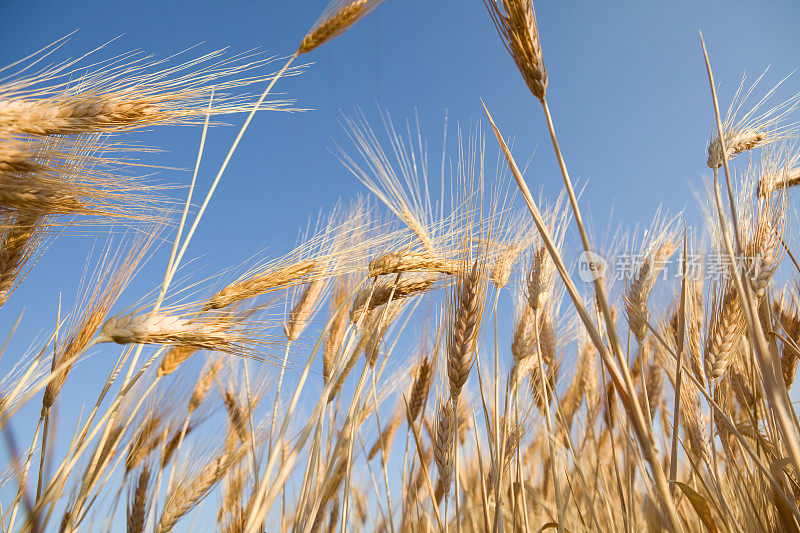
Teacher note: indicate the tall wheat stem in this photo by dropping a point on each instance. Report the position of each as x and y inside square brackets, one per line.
[278, 394]
[548, 423]
[620, 376]
[498, 516]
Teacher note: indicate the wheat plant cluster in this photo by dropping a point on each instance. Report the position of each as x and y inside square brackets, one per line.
[415, 363]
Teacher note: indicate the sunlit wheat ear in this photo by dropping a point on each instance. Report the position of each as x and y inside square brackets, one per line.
[235, 334]
[725, 333]
[174, 357]
[514, 435]
[104, 288]
[784, 179]
[373, 296]
[735, 144]
[523, 343]
[148, 436]
[16, 160]
[385, 439]
[304, 309]
[396, 175]
[18, 243]
[584, 384]
[504, 263]
[537, 283]
[192, 488]
[420, 389]
[516, 24]
[126, 93]
[406, 259]
[171, 446]
[444, 433]
[550, 379]
[137, 508]
[691, 413]
[695, 320]
[755, 128]
[789, 321]
[337, 18]
[262, 282]
[236, 416]
[466, 308]
[339, 321]
[639, 289]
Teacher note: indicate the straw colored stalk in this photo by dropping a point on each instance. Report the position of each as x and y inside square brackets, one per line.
[339, 321]
[551, 376]
[466, 307]
[384, 290]
[337, 18]
[638, 291]
[406, 259]
[371, 344]
[516, 24]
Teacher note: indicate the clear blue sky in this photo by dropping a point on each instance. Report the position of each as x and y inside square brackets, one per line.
[627, 89]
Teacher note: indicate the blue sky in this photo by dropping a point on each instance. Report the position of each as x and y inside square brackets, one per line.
[628, 92]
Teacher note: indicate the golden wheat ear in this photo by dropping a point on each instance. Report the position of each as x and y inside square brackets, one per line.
[335, 20]
[516, 24]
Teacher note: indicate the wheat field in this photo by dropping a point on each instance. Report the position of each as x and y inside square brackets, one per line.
[442, 353]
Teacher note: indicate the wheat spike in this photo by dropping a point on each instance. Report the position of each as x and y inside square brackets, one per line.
[303, 310]
[137, 510]
[467, 309]
[443, 445]
[339, 16]
[516, 24]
